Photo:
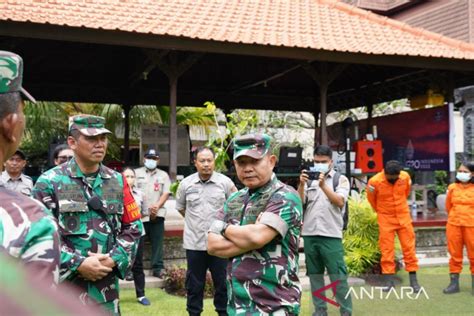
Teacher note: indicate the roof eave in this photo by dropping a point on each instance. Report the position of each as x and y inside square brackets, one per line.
[142, 40]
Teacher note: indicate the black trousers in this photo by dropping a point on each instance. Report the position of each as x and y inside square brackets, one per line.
[137, 270]
[198, 263]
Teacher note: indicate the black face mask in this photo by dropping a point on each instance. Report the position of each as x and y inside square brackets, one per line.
[392, 181]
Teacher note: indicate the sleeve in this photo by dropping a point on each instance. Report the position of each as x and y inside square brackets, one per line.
[229, 186]
[283, 211]
[125, 248]
[181, 196]
[407, 193]
[449, 196]
[71, 259]
[372, 194]
[343, 187]
[42, 253]
[166, 183]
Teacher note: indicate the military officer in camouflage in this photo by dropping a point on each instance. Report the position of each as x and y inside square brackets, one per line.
[259, 229]
[99, 222]
[28, 232]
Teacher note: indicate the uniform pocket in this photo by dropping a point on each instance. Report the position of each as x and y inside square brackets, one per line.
[73, 218]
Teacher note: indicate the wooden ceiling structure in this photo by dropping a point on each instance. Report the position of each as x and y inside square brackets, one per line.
[324, 57]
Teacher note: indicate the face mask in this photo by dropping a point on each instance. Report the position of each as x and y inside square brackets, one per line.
[321, 167]
[463, 176]
[392, 181]
[150, 164]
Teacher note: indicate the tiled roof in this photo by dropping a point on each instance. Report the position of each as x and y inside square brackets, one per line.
[315, 24]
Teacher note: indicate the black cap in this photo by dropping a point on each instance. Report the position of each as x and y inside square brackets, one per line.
[152, 153]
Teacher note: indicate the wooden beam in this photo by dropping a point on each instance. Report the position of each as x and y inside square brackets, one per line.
[266, 80]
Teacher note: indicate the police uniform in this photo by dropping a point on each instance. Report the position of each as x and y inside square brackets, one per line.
[201, 200]
[23, 184]
[113, 227]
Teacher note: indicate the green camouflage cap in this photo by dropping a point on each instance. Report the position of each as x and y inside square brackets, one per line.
[252, 145]
[11, 74]
[88, 125]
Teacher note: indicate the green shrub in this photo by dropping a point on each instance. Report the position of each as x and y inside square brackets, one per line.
[360, 240]
[176, 282]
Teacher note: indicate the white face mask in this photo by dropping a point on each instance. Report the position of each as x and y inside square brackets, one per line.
[150, 164]
[321, 167]
[463, 176]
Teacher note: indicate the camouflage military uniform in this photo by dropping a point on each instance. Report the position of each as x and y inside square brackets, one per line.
[265, 281]
[29, 232]
[66, 190]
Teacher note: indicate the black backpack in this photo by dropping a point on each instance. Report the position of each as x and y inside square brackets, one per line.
[345, 209]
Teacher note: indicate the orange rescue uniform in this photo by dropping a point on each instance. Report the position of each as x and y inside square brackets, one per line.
[390, 203]
[460, 226]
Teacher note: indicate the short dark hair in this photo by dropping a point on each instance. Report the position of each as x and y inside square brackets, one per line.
[75, 134]
[323, 150]
[201, 149]
[9, 103]
[393, 168]
[59, 149]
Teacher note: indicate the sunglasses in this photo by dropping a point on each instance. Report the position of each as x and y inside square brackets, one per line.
[65, 158]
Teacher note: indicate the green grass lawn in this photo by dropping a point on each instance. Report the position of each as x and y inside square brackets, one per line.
[432, 279]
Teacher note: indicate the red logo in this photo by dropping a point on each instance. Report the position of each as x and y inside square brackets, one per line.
[333, 285]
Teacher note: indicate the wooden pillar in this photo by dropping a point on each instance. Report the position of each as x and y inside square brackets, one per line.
[316, 127]
[173, 128]
[323, 93]
[126, 134]
[370, 114]
[323, 75]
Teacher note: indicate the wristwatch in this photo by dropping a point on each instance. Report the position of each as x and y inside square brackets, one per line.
[218, 227]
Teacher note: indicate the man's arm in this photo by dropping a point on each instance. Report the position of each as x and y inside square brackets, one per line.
[250, 237]
[371, 192]
[303, 180]
[41, 251]
[219, 246]
[334, 198]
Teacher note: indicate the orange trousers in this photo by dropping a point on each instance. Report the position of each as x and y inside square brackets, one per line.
[406, 235]
[457, 237]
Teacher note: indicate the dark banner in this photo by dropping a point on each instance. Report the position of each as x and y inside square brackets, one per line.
[419, 139]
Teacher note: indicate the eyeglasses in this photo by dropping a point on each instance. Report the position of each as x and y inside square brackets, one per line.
[65, 158]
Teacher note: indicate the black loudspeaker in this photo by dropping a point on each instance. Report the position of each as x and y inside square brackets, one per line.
[290, 157]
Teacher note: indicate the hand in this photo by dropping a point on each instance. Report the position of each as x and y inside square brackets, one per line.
[92, 269]
[104, 259]
[303, 177]
[322, 180]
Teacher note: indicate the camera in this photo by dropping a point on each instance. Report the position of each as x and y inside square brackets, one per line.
[313, 175]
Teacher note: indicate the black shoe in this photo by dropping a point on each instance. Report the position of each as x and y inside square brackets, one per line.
[222, 314]
[414, 282]
[160, 275]
[453, 286]
[129, 276]
[389, 282]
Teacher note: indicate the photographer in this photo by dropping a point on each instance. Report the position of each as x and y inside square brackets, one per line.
[322, 228]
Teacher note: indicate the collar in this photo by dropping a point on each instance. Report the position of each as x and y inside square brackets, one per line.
[211, 179]
[265, 188]
[151, 171]
[6, 177]
[73, 170]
